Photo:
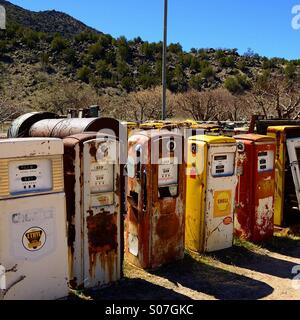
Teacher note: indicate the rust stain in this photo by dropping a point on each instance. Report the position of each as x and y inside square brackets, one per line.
[168, 206]
[93, 150]
[167, 226]
[102, 239]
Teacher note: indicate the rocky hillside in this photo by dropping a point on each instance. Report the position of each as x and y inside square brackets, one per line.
[41, 51]
[45, 21]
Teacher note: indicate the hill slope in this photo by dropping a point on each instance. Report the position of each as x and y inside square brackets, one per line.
[45, 21]
[41, 52]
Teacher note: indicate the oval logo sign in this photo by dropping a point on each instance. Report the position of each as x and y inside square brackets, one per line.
[222, 203]
[34, 239]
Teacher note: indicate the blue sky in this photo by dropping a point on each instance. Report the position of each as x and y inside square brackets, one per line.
[263, 25]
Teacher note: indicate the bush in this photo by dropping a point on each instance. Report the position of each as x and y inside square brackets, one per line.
[124, 52]
[96, 50]
[175, 48]
[148, 49]
[44, 60]
[3, 47]
[242, 65]
[69, 56]
[219, 54]
[227, 62]
[86, 36]
[185, 59]
[237, 84]
[148, 81]
[105, 40]
[31, 38]
[196, 82]
[84, 73]
[290, 71]
[110, 57]
[128, 84]
[58, 44]
[208, 72]
[122, 69]
[145, 68]
[103, 70]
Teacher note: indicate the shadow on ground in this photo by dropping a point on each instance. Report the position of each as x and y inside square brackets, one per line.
[133, 289]
[286, 242]
[213, 281]
[244, 258]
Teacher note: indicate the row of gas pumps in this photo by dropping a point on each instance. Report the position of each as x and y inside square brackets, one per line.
[76, 195]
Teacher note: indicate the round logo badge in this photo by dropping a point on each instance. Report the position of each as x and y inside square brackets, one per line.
[34, 239]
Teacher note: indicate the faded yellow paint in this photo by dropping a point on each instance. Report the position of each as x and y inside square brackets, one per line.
[57, 174]
[214, 139]
[278, 134]
[195, 205]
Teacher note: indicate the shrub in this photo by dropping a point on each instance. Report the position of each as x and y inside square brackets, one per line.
[208, 72]
[31, 38]
[128, 84]
[175, 48]
[96, 50]
[237, 84]
[103, 70]
[84, 73]
[69, 56]
[58, 44]
[290, 71]
[196, 82]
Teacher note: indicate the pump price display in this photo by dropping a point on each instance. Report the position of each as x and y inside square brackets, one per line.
[102, 177]
[30, 176]
[265, 160]
[167, 171]
[223, 165]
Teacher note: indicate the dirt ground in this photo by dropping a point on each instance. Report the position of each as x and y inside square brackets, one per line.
[243, 272]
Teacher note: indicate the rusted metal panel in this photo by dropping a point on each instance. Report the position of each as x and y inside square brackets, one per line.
[156, 199]
[103, 213]
[256, 186]
[95, 216]
[20, 127]
[61, 128]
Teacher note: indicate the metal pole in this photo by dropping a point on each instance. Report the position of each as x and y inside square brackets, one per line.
[164, 63]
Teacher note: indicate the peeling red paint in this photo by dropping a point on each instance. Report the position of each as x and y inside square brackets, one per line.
[254, 219]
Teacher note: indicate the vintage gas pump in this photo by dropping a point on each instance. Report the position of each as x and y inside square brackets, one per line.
[156, 199]
[33, 237]
[293, 148]
[286, 209]
[211, 183]
[256, 186]
[95, 208]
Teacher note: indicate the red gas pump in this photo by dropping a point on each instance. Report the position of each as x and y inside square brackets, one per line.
[255, 188]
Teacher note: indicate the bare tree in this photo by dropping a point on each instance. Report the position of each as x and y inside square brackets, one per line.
[201, 106]
[145, 105]
[277, 96]
[65, 96]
